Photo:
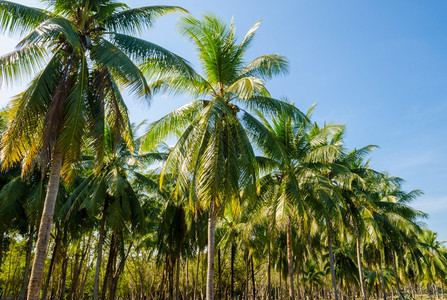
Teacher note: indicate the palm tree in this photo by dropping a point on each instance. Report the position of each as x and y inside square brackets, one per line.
[213, 160]
[285, 144]
[110, 193]
[82, 51]
[359, 203]
[312, 275]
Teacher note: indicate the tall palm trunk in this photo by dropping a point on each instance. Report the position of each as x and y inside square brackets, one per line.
[210, 267]
[99, 257]
[233, 254]
[359, 263]
[395, 274]
[253, 277]
[43, 237]
[177, 277]
[50, 269]
[382, 281]
[219, 268]
[29, 248]
[298, 292]
[196, 281]
[290, 258]
[331, 262]
[269, 279]
[247, 268]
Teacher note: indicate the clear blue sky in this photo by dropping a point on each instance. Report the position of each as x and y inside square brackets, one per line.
[377, 66]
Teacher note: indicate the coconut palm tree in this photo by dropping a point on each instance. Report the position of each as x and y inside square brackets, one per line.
[213, 160]
[81, 51]
[285, 145]
[110, 193]
[360, 204]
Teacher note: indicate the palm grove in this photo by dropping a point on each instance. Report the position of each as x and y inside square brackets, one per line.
[252, 200]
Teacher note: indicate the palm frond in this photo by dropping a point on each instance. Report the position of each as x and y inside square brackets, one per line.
[21, 64]
[136, 19]
[265, 67]
[171, 125]
[17, 18]
[124, 70]
[52, 30]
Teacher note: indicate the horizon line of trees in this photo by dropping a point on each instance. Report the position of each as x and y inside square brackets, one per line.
[254, 199]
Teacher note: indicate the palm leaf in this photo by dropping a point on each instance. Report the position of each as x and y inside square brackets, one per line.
[124, 70]
[136, 19]
[21, 64]
[17, 18]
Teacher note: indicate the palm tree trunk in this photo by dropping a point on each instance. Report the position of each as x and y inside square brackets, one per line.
[395, 274]
[233, 254]
[382, 282]
[247, 267]
[290, 258]
[253, 277]
[99, 257]
[109, 267]
[185, 279]
[210, 267]
[196, 282]
[177, 278]
[280, 284]
[331, 261]
[298, 292]
[359, 263]
[29, 248]
[50, 269]
[269, 279]
[64, 275]
[219, 285]
[46, 221]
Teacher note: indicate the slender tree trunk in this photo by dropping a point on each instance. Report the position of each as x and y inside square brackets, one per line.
[331, 261]
[269, 275]
[253, 277]
[177, 278]
[64, 275]
[359, 263]
[99, 255]
[290, 258]
[171, 278]
[35, 283]
[280, 284]
[196, 282]
[77, 278]
[50, 269]
[210, 267]
[163, 278]
[395, 274]
[185, 279]
[298, 292]
[382, 282]
[247, 268]
[219, 268]
[203, 289]
[109, 268]
[233, 254]
[29, 248]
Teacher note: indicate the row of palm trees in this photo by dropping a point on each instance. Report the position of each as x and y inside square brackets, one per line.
[250, 181]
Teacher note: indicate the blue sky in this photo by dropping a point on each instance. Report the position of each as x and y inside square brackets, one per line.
[377, 66]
